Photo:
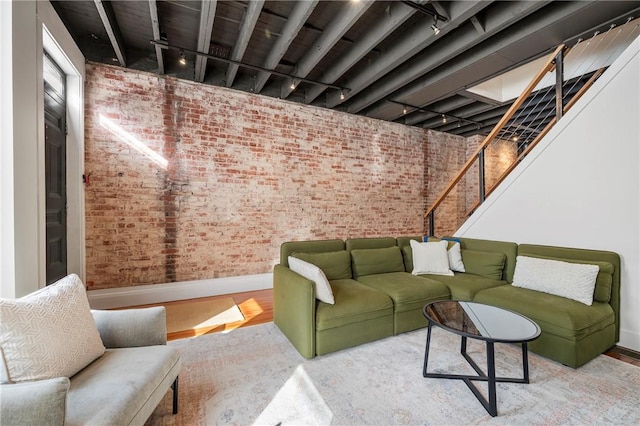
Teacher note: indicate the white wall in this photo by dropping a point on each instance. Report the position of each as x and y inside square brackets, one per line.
[7, 235]
[580, 187]
[22, 198]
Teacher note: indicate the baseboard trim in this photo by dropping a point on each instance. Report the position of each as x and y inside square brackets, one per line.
[158, 293]
[629, 340]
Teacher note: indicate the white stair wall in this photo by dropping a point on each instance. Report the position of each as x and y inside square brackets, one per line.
[580, 187]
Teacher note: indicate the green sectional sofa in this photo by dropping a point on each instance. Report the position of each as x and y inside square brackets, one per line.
[376, 295]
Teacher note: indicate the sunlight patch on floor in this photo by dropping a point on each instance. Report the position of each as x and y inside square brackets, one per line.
[202, 316]
[298, 402]
[250, 309]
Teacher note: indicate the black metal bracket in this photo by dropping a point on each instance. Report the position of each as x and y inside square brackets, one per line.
[425, 10]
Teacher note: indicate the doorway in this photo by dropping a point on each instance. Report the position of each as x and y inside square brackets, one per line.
[55, 136]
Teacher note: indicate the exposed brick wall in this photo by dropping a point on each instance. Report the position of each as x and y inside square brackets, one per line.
[498, 156]
[447, 154]
[190, 181]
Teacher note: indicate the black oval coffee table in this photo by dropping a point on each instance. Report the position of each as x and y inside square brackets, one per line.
[481, 322]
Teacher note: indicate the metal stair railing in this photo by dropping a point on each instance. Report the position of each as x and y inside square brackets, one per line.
[534, 119]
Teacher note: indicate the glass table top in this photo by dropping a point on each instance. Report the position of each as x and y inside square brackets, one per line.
[482, 322]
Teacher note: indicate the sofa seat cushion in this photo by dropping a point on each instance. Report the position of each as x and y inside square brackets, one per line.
[115, 388]
[556, 315]
[464, 286]
[354, 302]
[407, 291]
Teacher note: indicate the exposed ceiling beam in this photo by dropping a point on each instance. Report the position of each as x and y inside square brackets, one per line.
[466, 38]
[467, 112]
[207, 16]
[248, 25]
[108, 17]
[413, 42]
[477, 24]
[350, 13]
[459, 72]
[299, 15]
[396, 15]
[165, 45]
[155, 26]
[477, 97]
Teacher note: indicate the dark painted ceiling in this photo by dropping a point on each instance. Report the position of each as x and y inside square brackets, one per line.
[373, 58]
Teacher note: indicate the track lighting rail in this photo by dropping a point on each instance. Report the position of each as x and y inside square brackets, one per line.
[295, 78]
[420, 8]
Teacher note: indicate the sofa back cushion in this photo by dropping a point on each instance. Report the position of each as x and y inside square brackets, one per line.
[407, 254]
[369, 243]
[376, 261]
[508, 249]
[488, 264]
[604, 280]
[336, 265]
[314, 246]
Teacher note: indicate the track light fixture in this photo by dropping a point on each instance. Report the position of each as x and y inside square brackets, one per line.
[183, 58]
[434, 27]
[342, 95]
[293, 85]
[444, 118]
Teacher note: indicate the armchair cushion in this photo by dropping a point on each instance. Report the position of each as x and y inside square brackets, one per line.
[49, 333]
[130, 328]
[34, 403]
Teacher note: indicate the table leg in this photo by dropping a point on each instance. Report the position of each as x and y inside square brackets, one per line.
[426, 350]
[491, 379]
[525, 362]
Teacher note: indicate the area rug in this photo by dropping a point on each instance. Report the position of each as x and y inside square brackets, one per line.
[253, 375]
[202, 314]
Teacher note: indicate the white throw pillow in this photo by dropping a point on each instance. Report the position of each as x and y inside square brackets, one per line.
[49, 333]
[315, 274]
[571, 280]
[430, 258]
[455, 258]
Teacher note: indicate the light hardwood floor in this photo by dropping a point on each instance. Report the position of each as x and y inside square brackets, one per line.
[257, 308]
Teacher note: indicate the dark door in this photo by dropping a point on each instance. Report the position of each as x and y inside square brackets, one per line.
[55, 170]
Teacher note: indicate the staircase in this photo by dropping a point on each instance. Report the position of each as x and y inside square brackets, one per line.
[566, 74]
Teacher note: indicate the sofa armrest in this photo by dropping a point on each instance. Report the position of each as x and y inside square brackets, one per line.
[130, 328]
[294, 309]
[34, 403]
